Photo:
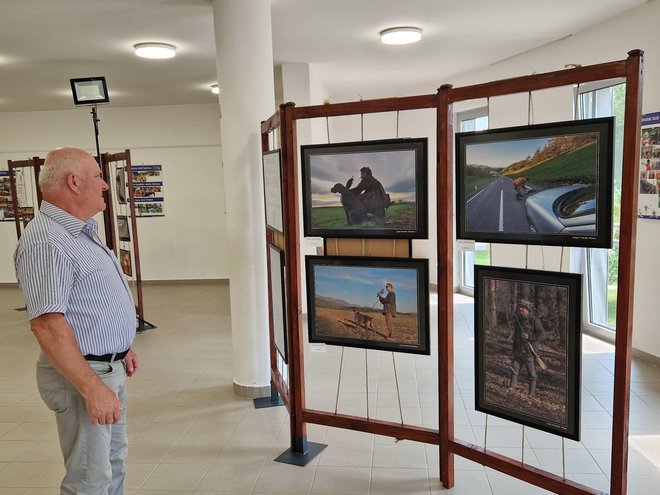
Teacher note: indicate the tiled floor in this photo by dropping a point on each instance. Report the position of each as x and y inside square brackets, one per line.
[189, 434]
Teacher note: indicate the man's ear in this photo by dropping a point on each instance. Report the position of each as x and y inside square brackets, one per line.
[72, 182]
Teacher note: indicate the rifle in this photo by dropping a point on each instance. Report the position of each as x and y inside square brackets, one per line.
[530, 349]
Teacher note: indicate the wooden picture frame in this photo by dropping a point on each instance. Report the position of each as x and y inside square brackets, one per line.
[272, 170]
[126, 262]
[548, 184]
[349, 303]
[527, 347]
[123, 228]
[388, 201]
[278, 300]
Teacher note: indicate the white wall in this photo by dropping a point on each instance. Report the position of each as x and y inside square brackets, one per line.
[189, 242]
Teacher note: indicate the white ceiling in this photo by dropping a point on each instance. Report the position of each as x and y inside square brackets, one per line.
[44, 43]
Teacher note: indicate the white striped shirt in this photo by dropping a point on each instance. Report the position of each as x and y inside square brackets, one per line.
[61, 268]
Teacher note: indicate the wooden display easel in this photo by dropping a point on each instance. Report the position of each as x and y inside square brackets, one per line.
[293, 393]
[124, 157]
[108, 214]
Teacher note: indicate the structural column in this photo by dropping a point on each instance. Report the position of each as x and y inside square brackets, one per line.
[245, 76]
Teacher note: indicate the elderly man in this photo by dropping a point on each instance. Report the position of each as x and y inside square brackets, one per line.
[527, 333]
[82, 314]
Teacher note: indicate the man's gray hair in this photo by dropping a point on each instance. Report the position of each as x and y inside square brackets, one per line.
[54, 170]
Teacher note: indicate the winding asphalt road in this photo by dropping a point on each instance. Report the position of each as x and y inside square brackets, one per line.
[496, 209]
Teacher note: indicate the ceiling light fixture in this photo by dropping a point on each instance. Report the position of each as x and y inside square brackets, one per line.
[400, 35]
[215, 89]
[155, 50]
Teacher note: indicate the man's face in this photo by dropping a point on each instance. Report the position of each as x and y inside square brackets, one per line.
[92, 186]
[389, 288]
[524, 312]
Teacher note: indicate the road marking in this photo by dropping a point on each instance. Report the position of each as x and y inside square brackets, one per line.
[502, 210]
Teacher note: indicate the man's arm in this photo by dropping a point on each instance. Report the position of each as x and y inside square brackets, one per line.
[61, 349]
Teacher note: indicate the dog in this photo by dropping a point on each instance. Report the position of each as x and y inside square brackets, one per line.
[353, 206]
[362, 320]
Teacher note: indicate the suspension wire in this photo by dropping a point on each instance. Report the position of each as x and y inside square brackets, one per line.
[341, 365]
[397, 124]
[576, 103]
[561, 262]
[542, 259]
[398, 394]
[530, 109]
[486, 433]
[563, 458]
[366, 381]
[526, 256]
[327, 127]
[522, 459]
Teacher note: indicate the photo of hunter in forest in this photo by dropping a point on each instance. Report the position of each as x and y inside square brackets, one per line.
[527, 347]
[372, 303]
[365, 189]
[548, 184]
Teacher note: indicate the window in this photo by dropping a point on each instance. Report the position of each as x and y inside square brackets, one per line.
[602, 264]
[474, 120]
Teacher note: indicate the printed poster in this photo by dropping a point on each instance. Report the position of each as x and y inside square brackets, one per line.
[25, 211]
[148, 190]
[649, 168]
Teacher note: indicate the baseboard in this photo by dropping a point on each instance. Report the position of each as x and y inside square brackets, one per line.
[645, 356]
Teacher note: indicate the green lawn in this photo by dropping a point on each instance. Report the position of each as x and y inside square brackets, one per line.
[473, 183]
[577, 166]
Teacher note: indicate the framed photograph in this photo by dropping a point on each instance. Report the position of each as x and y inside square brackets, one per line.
[278, 300]
[527, 347]
[366, 189]
[126, 262]
[548, 184]
[273, 190]
[123, 229]
[120, 181]
[371, 303]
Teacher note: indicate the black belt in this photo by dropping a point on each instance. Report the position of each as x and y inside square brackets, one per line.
[107, 358]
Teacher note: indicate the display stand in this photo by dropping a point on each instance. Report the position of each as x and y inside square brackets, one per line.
[112, 163]
[20, 218]
[292, 391]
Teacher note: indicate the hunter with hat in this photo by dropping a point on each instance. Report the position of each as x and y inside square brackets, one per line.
[527, 334]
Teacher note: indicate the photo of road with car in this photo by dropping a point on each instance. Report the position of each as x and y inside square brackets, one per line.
[543, 185]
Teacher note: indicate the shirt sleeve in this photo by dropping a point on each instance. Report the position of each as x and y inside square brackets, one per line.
[45, 276]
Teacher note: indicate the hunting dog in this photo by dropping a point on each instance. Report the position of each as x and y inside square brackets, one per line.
[362, 320]
[352, 203]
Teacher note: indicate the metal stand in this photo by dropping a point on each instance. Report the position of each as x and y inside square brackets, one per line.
[143, 325]
[272, 401]
[309, 450]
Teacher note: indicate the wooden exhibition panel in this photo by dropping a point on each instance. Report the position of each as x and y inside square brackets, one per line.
[393, 248]
[293, 390]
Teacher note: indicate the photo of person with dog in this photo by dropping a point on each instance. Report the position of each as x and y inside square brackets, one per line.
[365, 189]
[353, 303]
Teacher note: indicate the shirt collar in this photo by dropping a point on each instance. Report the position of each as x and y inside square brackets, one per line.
[72, 224]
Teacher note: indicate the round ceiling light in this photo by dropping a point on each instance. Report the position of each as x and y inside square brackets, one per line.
[215, 89]
[400, 35]
[155, 50]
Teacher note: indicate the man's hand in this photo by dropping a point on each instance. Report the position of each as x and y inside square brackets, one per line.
[132, 363]
[525, 336]
[102, 406]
